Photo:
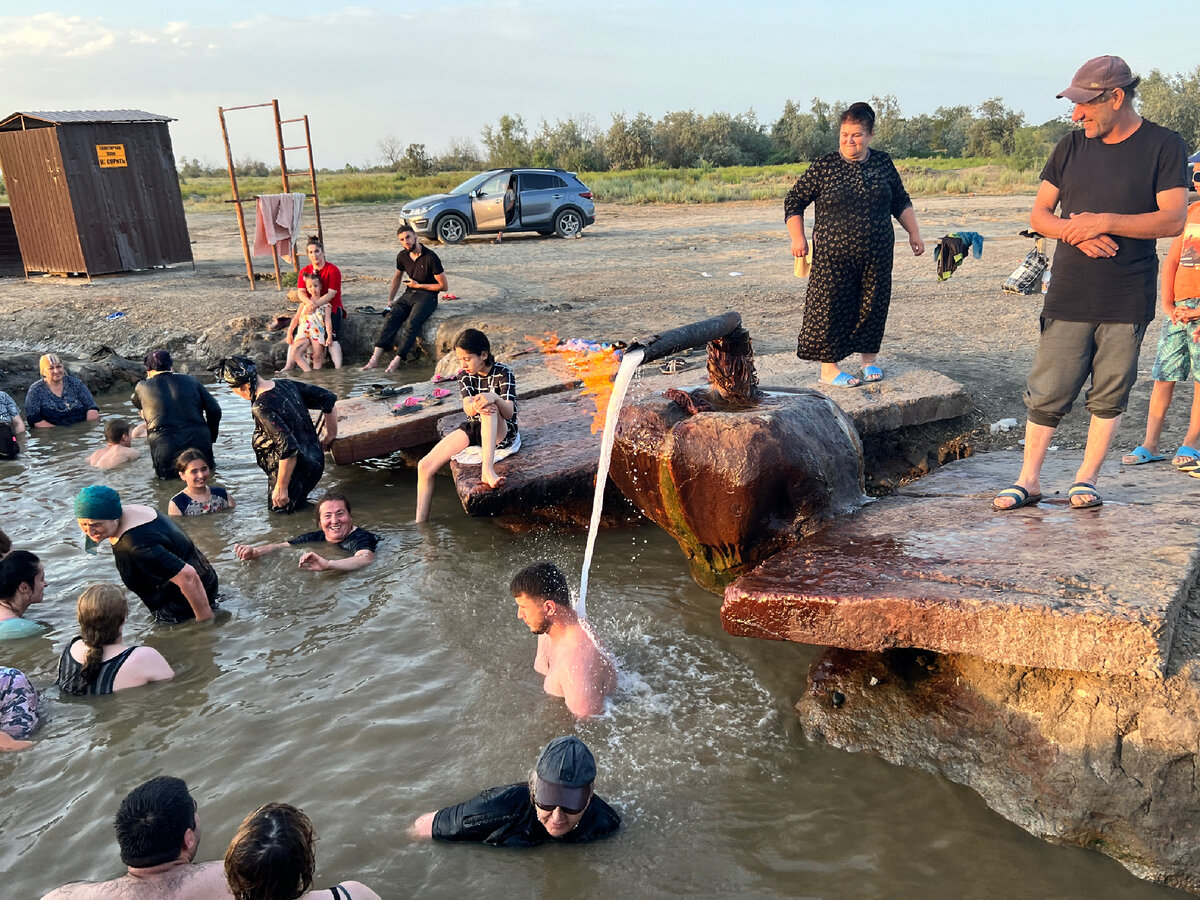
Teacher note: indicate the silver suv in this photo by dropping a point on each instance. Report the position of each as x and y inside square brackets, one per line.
[545, 200]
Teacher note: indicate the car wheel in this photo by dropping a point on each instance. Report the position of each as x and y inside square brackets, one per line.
[451, 229]
[568, 223]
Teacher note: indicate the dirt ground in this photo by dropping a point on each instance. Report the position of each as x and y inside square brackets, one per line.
[637, 271]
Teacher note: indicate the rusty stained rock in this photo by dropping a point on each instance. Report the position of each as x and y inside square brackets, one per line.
[736, 485]
[934, 567]
[1103, 762]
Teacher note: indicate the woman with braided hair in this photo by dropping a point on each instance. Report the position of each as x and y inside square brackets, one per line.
[98, 662]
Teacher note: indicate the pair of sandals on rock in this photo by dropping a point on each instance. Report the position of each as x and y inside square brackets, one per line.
[1023, 498]
[871, 373]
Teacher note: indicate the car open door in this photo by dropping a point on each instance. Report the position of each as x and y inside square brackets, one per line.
[488, 203]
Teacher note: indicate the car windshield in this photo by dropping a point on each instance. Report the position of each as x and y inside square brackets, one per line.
[471, 183]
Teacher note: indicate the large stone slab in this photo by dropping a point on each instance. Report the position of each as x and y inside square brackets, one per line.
[552, 479]
[367, 429]
[934, 567]
[907, 396]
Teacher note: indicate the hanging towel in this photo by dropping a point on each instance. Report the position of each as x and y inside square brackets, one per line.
[277, 222]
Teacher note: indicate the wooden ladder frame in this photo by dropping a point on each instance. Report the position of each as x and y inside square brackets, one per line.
[238, 200]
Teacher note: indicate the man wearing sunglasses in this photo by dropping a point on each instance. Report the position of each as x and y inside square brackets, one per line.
[556, 804]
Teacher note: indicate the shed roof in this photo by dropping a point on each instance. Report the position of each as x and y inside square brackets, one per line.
[43, 119]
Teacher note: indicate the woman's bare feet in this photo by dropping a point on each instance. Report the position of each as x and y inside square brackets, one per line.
[492, 480]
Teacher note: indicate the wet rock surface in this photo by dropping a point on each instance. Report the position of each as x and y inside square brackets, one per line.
[1106, 763]
[551, 480]
[735, 486]
[935, 567]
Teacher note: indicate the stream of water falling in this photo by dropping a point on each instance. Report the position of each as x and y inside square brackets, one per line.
[629, 365]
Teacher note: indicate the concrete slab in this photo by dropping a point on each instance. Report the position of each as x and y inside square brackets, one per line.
[367, 429]
[906, 396]
[933, 566]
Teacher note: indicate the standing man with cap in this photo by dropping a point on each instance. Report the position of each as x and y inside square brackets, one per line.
[1108, 192]
[179, 411]
[556, 804]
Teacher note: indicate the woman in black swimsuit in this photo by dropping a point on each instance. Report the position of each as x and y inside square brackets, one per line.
[271, 858]
[98, 662]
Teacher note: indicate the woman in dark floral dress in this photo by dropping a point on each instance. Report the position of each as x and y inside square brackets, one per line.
[856, 192]
[286, 443]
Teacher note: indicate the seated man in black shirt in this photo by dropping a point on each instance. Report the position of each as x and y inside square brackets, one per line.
[408, 312]
[557, 804]
[336, 527]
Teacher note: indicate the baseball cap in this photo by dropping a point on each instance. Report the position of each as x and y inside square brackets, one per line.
[565, 772]
[1097, 76]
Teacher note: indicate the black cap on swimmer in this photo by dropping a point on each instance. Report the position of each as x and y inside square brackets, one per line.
[236, 371]
[565, 772]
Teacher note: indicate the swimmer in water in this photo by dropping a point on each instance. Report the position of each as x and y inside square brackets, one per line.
[337, 527]
[118, 446]
[577, 667]
[198, 497]
[557, 805]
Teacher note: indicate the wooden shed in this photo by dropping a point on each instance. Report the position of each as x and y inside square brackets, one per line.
[93, 191]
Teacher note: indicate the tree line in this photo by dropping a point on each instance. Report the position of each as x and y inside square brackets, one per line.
[687, 139]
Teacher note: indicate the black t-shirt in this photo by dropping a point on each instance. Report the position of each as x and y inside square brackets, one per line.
[148, 556]
[358, 539]
[505, 817]
[422, 270]
[180, 414]
[1123, 178]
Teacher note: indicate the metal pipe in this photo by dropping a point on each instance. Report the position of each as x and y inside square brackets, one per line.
[695, 335]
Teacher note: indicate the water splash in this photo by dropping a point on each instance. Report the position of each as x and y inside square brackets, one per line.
[629, 364]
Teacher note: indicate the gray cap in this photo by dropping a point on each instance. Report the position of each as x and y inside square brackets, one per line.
[1097, 76]
[565, 772]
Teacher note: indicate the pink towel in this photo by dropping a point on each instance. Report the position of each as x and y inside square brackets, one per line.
[277, 222]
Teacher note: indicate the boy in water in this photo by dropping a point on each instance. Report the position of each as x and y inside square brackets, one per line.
[118, 446]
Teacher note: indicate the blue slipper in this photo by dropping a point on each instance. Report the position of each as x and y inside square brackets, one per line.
[1139, 456]
[872, 373]
[1192, 454]
[1082, 488]
[843, 380]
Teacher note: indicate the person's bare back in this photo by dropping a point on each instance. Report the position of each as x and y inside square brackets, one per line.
[205, 881]
[577, 668]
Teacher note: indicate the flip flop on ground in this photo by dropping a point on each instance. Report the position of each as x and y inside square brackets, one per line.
[872, 373]
[843, 380]
[1084, 489]
[1139, 456]
[1186, 455]
[1017, 493]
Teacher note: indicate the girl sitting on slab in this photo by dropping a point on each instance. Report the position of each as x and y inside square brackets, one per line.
[489, 394]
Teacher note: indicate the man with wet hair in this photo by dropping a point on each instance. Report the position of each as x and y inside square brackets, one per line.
[158, 833]
[558, 804]
[336, 526]
[577, 667]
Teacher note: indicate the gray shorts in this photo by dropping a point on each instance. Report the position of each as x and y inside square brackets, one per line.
[1067, 353]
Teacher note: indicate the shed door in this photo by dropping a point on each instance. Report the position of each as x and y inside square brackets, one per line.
[40, 200]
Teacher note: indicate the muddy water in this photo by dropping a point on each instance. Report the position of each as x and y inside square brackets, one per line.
[372, 697]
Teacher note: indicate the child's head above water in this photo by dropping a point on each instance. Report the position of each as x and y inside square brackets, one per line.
[117, 431]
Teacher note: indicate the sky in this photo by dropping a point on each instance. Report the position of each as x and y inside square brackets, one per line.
[429, 75]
